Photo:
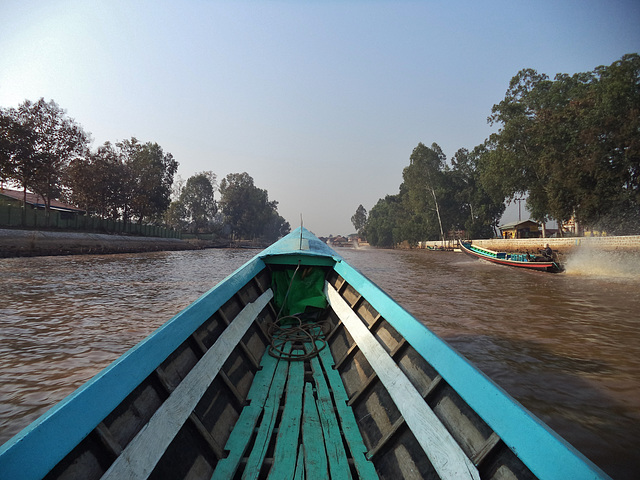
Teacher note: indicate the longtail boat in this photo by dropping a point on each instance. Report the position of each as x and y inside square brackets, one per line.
[512, 259]
[294, 366]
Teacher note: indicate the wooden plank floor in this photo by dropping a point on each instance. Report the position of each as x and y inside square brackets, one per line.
[297, 426]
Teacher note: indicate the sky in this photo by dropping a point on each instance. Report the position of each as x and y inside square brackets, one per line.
[321, 102]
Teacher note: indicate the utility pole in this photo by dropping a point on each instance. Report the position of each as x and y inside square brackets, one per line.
[519, 200]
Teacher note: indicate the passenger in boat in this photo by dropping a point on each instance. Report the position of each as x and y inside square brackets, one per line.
[547, 252]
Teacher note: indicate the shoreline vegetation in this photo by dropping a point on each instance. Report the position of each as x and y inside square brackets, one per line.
[31, 243]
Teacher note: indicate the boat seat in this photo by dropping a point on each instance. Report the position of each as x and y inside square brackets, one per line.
[306, 440]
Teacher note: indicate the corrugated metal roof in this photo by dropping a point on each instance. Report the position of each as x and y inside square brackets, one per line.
[38, 201]
[507, 226]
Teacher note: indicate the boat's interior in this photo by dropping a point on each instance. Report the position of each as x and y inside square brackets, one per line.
[309, 405]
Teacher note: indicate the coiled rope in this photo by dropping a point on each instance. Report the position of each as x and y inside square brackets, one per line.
[306, 337]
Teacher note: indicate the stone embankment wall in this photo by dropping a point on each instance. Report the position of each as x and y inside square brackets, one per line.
[25, 243]
[562, 245]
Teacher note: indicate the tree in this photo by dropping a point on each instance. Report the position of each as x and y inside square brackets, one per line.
[18, 162]
[197, 200]
[423, 178]
[571, 144]
[99, 182]
[247, 209]
[152, 172]
[480, 212]
[37, 143]
[176, 216]
[386, 221]
[56, 140]
[359, 219]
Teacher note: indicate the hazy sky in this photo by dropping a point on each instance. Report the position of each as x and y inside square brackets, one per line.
[321, 102]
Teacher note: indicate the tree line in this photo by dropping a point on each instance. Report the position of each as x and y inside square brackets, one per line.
[571, 145]
[44, 151]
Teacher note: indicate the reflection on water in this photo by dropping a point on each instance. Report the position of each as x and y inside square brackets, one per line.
[567, 346]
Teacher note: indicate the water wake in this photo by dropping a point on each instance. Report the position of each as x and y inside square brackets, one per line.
[588, 261]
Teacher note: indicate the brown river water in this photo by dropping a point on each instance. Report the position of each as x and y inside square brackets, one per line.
[566, 346]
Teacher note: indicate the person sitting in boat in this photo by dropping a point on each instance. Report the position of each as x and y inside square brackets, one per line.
[547, 252]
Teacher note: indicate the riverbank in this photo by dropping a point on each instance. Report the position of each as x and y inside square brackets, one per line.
[30, 243]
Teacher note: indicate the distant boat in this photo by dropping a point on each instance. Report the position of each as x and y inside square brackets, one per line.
[512, 259]
[294, 366]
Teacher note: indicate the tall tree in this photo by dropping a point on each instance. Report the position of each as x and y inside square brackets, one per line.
[99, 182]
[423, 179]
[480, 212]
[571, 144]
[197, 198]
[359, 219]
[152, 172]
[37, 143]
[386, 224]
[247, 209]
[18, 162]
[56, 141]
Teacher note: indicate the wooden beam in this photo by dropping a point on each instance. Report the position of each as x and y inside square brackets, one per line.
[315, 455]
[143, 453]
[374, 375]
[337, 457]
[243, 429]
[400, 422]
[348, 423]
[491, 444]
[288, 440]
[268, 422]
[108, 440]
[211, 442]
[443, 451]
[241, 344]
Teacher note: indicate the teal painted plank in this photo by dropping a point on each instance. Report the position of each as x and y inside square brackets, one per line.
[270, 413]
[350, 428]
[299, 474]
[243, 429]
[338, 463]
[284, 464]
[315, 456]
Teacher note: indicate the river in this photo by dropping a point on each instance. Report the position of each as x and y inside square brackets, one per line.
[567, 346]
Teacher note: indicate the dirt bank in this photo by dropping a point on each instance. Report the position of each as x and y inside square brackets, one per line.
[26, 243]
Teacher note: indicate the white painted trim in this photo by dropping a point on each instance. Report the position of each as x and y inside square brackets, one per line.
[142, 454]
[443, 451]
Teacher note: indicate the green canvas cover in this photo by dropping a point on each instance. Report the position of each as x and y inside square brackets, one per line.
[305, 287]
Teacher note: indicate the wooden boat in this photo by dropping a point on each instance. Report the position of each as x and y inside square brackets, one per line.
[511, 259]
[295, 366]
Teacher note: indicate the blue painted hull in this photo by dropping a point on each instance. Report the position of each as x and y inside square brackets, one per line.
[508, 436]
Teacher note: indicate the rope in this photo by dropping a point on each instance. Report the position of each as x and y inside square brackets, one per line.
[294, 329]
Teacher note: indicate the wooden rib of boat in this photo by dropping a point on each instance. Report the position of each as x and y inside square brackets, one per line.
[236, 386]
[511, 259]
